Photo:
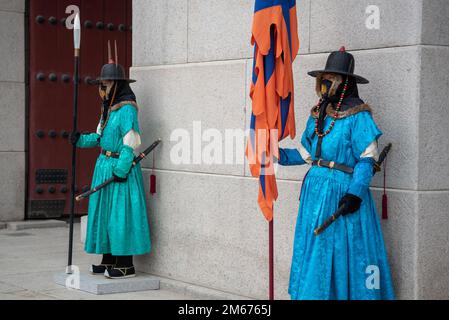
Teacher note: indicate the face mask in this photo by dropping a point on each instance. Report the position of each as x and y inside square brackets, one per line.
[104, 91]
[326, 85]
[327, 88]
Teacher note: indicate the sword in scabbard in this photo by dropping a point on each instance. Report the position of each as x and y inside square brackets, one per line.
[137, 159]
[340, 211]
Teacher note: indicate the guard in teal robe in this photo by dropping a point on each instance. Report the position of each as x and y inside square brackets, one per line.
[348, 261]
[117, 215]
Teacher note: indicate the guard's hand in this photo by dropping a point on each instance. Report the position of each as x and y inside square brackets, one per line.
[74, 137]
[119, 179]
[351, 202]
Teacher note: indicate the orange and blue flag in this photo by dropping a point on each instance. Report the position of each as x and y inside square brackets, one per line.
[276, 44]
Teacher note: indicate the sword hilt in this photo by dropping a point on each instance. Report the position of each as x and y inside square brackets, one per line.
[382, 156]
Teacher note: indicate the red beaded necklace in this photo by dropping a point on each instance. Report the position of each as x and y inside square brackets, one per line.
[321, 135]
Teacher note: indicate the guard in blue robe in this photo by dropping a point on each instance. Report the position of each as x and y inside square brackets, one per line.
[348, 261]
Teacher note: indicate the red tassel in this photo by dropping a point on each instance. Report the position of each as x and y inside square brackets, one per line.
[153, 184]
[384, 207]
[153, 180]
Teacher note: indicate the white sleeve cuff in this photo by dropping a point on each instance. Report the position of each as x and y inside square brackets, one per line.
[371, 152]
[132, 139]
[99, 128]
[305, 155]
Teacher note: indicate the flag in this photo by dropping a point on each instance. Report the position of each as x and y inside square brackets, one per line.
[276, 44]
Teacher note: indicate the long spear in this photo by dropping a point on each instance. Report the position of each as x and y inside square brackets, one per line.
[77, 45]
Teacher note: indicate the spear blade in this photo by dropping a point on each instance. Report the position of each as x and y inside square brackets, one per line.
[77, 33]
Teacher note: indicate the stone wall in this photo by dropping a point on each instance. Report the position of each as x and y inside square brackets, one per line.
[192, 60]
[12, 110]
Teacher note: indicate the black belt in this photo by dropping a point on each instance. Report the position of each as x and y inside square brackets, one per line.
[110, 154]
[333, 165]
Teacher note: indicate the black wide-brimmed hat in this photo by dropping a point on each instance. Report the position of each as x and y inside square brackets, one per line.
[340, 62]
[113, 72]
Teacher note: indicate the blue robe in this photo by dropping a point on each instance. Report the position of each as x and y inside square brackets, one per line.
[117, 221]
[347, 261]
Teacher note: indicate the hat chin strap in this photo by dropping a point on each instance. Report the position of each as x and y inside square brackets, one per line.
[336, 82]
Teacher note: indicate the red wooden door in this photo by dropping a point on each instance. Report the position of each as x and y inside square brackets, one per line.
[51, 87]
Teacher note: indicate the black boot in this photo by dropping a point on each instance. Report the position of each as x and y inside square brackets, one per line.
[124, 268]
[108, 262]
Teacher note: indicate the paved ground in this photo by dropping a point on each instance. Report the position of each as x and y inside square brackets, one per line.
[30, 258]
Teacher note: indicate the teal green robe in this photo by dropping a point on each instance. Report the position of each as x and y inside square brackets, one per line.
[117, 221]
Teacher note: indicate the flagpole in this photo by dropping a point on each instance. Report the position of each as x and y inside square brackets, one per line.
[271, 258]
[77, 42]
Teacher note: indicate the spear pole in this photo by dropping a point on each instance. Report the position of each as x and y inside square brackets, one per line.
[271, 259]
[77, 46]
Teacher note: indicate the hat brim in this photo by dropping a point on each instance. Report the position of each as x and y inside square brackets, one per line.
[98, 80]
[358, 79]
